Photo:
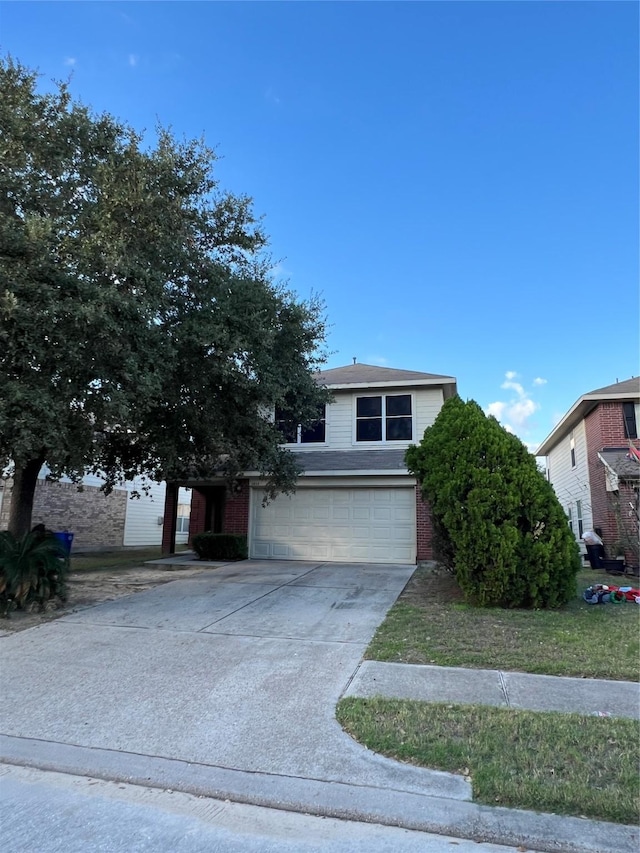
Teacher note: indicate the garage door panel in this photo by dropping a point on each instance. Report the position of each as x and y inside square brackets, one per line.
[344, 525]
[382, 513]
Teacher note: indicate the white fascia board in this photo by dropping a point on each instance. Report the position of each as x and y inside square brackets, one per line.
[612, 480]
[365, 472]
[353, 480]
[577, 413]
[406, 383]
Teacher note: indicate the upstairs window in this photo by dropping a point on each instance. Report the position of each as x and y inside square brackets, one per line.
[572, 445]
[295, 433]
[630, 422]
[384, 418]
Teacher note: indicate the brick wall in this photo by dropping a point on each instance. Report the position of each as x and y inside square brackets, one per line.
[236, 510]
[605, 428]
[424, 530]
[95, 519]
[198, 510]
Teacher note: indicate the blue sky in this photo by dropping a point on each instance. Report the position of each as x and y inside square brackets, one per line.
[458, 180]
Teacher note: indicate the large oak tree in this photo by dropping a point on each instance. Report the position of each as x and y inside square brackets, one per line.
[140, 330]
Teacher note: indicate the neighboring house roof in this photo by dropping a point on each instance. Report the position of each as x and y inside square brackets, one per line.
[372, 376]
[628, 390]
[619, 461]
[352, 460]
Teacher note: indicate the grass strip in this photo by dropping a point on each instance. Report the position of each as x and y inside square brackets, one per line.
[430, 624]
[550, 762]
[109, 560]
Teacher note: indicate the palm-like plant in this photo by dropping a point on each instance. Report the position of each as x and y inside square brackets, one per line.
[33, 567]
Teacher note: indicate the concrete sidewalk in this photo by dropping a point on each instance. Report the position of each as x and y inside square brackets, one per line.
[493, 687]
[224, 686]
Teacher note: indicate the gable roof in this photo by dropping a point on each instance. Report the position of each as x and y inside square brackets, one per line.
[372, 376]
[626, 391]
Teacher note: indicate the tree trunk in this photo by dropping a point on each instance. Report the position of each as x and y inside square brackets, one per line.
[24, 486]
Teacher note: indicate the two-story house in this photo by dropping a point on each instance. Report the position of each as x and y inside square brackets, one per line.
[355, 501]
[592, 466]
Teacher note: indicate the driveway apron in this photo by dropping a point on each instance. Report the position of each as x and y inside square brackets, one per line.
[238, 668]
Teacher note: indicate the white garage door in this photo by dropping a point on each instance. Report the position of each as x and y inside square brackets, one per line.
[373, 525]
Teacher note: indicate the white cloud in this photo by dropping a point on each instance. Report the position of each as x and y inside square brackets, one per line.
[133, 60]
[271, 96]
[380, 360]
[521, 411]
[70, 60]
[539, 381]
[514, 386]
[515, 412]
[496, 409]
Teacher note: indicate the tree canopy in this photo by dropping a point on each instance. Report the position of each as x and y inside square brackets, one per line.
[497, 520]
[141, 332]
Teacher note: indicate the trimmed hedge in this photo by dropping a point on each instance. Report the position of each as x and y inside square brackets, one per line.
[220, 546]
[499, 524]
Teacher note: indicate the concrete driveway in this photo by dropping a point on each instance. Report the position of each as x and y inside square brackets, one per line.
[223, 684]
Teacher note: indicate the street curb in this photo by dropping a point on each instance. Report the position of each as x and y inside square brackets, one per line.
[548, 833]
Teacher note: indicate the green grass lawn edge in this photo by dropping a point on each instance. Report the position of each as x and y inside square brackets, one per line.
[431, 624]
[567, 764]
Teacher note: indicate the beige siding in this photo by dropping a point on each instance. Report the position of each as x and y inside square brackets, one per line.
[428, 405]
[143, 522]
[141, 515]
[340, 433]
[571, 484]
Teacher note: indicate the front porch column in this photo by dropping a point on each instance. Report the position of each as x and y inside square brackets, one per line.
[170, 519]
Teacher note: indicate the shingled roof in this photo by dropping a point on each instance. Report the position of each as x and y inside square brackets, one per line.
[627, 386]
[363, 375]
[353, 460]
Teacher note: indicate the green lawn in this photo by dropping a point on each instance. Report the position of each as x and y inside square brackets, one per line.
[563, 763]
[109, 560]
[430, 624]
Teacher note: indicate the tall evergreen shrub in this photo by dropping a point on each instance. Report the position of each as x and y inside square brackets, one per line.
[498, 519]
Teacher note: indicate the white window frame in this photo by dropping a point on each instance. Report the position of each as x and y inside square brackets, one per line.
[579, 519]
[299, 443]
[572, 449]
[383, 415]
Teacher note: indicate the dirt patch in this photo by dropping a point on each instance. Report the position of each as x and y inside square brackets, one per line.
[87, 588]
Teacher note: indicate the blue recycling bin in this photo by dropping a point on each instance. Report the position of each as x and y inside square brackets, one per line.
[65, 539]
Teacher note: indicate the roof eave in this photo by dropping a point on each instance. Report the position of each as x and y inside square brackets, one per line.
[444, 381]
[577, 413]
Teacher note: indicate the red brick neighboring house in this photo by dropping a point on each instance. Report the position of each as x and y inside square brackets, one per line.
[355, 500]
[592, 465]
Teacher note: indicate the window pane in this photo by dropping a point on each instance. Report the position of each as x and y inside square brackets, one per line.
[287, 427]
[369, 407]
[369, 430]
[630, 424]
[313, 433]
[399, 405]
[398, 429]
